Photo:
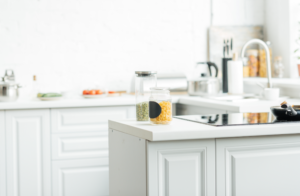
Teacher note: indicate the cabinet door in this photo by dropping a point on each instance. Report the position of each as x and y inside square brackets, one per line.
[86, 177]
[79, 145]
[180, 168]
[28, 153]
[86, 119]
[2, 156]
[258, 166]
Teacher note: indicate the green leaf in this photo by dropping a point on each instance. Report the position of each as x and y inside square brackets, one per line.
[296, 50]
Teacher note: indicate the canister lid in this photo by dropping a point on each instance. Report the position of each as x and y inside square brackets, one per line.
[145, 73]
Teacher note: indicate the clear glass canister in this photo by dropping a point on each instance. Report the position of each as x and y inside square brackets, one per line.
[253, 62]
[160, 106]
[278, 68]
[144, 80]
[263, 59]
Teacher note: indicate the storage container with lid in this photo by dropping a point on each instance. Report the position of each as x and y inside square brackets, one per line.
[278, 67]
[160, 106]
[144, 80]
[263, 59]
[252, 62]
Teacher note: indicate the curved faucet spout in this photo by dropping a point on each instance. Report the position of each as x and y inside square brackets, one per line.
[258, 41]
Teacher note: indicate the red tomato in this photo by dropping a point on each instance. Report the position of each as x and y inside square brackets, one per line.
[98, 92]
[92, 92]
[111, 92]
[85, 92]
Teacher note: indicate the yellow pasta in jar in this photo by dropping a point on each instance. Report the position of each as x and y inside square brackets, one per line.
[165, 116]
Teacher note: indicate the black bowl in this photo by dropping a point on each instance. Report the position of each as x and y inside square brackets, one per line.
[280, 113]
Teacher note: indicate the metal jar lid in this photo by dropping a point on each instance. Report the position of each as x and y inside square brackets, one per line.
[145, 73]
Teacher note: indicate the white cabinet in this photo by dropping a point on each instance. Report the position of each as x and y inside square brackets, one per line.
[87, 119]
[170, 168]
[86, 177]
[28, 153]
[52, 152]
[258, 166]
[79, 145]
[2, 155]
[80, 149]
[179, 168]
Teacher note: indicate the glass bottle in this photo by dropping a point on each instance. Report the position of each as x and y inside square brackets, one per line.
[160, 106]
[144, 80]
[278, 67]
[35, 88]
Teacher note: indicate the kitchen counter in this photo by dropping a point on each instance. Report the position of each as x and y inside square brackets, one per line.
[67, 103]
[184, 130]
[249, 106]
[124, 100]
[187, 158]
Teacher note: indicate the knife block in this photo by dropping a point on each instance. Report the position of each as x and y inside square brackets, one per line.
[225, 74]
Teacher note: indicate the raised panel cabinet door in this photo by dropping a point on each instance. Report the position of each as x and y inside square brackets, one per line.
[177, 168]
[2, 155]
[85, 177]
[28, 153]
[79, 145]
[86, 119]
[258, 166]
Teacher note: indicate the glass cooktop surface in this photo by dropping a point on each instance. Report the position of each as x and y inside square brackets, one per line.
[234, 119]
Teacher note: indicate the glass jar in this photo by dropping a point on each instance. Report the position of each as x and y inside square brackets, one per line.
[160, 106]
[278, 67]
[263, 59]
[252, 62]
[144, 80]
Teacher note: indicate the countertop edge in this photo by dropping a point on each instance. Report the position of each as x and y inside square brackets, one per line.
[115, 125]
[200, 131]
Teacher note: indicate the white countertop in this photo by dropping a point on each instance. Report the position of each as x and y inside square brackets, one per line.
[252, 106]
[67, 103]
[183, 130]
[124, 100]
[236, 107]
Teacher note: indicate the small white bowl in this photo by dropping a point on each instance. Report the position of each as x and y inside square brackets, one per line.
[271, 93]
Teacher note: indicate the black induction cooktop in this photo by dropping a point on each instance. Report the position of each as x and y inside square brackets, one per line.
[234, 119]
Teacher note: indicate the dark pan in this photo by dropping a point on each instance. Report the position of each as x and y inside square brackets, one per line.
[280, 113]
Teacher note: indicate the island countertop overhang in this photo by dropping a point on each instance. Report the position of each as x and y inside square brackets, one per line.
[186, 130]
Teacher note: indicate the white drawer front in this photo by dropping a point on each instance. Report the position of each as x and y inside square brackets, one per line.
[86, 119]
[79, 145]
[84, 177]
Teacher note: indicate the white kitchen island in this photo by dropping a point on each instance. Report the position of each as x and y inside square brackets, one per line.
[61, 147]
[192, 159]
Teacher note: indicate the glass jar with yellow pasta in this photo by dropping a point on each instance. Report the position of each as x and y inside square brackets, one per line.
[160, 106]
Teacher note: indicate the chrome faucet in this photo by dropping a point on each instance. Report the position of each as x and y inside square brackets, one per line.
[258, 41]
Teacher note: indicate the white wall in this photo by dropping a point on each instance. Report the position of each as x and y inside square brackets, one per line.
[238, 12]
[282, 30]
[73, 44]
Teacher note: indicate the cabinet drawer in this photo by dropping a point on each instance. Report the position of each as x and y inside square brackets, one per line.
[80, 177]
[86, 119]
[79, 145]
